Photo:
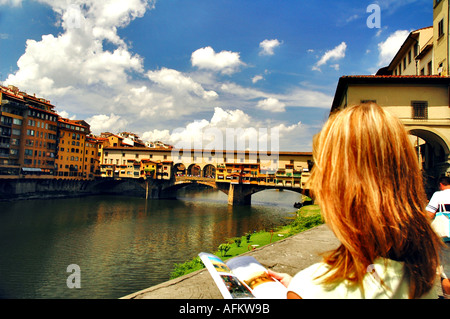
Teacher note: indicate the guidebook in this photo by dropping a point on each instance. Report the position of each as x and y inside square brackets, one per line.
[242, 277]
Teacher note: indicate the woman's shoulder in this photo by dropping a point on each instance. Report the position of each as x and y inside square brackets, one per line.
[384, 279]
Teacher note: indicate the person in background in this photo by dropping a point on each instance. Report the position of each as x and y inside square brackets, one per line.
[368, 184]
[439, 199]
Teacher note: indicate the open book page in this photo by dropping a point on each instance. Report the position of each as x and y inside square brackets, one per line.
[229, 285]
[252, 273]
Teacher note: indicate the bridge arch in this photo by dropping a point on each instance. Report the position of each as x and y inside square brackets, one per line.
[179, 169]
[209, 171]
[433, 150]
[194, 170]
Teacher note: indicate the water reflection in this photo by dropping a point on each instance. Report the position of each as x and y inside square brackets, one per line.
[122, 244]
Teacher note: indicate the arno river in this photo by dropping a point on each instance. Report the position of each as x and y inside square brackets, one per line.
[121, 244]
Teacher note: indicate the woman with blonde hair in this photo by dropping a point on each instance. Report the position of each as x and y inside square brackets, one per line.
[367, 181]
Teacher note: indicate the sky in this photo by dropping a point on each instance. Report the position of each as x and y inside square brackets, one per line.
[243, 74]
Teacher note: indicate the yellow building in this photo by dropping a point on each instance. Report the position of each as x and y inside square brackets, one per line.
[420, 102]
[416, 88]
[92, 155]
[71, 161]
[440, 37]
[425, 51]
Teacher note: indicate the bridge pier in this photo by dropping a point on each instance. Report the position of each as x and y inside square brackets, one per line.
[237, 196]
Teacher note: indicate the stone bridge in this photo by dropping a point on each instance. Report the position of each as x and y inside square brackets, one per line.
[238, 194]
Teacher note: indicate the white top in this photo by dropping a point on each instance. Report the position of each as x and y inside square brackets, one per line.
[439, 197]
[391, 272]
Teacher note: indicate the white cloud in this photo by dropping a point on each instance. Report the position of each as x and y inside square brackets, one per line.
[230, 118]
[388, 48]
[66, 115]
[225, 62]
[257, 78]
[176, 81]
[76, 58]
[156, 135]
[296, 96]
[272, 105]
[14, 3]
[107, 123]
[267, 46]
[335, 54]
[228, 129]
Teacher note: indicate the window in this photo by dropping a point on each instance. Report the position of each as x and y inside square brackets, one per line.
[367, 101]
[441, 28]
[404, 63]
[441, 65]
[419, 110]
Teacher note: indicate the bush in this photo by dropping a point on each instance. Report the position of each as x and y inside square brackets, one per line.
[303, 222]
[224, 248]
[187, 267]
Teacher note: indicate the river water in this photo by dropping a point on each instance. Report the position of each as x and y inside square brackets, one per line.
[121, 244]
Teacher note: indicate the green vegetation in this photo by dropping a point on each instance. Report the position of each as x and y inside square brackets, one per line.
[307, 217]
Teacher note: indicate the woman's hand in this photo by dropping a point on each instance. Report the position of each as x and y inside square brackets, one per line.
[285, 279]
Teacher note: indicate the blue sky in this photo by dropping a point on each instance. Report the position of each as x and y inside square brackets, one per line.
[172, 70]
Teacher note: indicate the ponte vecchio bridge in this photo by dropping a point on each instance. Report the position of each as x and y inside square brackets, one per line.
[161, 172]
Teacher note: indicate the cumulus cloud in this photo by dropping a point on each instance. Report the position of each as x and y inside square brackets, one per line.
[106, 123]
[388, 48]
[335, 54]
[272, 105]
[13, 3]
[66, 115]
[74, 63]
[225, 62]
[175, 80]
[295, 97]
[227, 130]
[257, 78]
[268, 46]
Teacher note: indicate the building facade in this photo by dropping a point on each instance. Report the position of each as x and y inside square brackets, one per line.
[415, 87]
[28, 135]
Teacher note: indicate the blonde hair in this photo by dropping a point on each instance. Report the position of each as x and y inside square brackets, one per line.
[368, 183]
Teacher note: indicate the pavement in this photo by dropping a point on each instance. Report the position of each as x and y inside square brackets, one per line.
[289, 255]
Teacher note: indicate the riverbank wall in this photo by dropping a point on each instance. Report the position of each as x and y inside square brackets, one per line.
[47, 188]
